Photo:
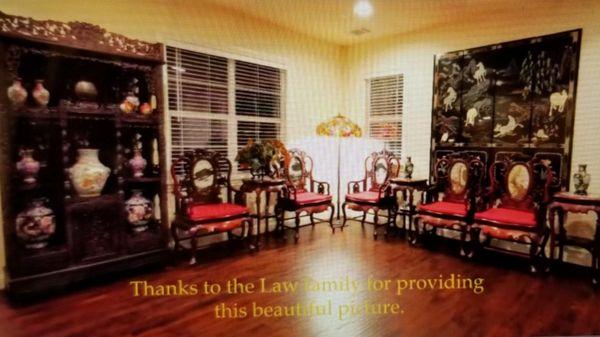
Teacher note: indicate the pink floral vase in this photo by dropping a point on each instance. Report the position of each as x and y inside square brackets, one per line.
[28, 167]
[139, 211]
[35, 225]
[137, 164]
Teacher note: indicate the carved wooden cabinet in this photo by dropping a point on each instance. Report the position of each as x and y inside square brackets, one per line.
[73, 94]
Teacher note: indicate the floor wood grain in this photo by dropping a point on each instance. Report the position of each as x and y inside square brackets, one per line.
[514, 302]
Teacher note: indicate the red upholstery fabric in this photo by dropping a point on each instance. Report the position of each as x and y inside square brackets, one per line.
[217, 227]
[368, 197]
[215, 211]
[507, 216]
[445, 207]
[308, 198]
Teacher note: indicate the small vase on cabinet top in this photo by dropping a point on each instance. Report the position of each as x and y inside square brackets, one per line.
[40, 94]
[582, 180]
[408, 168]
[35, 225]
[139, 211]
[28, 167]
[16, 93]
[88, 175]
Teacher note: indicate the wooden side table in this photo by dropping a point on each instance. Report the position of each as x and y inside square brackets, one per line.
[408, 187]
[563, 203]
[258, 186]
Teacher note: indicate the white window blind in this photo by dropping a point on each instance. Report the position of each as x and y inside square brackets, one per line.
[219, 103]
[385, 107]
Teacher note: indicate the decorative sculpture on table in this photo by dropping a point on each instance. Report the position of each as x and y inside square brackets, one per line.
[340, 127]
[408, 168]
[582, 180]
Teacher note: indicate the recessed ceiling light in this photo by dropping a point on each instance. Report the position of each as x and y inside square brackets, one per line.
[363, 8]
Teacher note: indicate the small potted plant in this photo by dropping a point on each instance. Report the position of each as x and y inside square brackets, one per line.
[263, 158]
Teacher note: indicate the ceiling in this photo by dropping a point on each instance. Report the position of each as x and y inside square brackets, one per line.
[333, 20]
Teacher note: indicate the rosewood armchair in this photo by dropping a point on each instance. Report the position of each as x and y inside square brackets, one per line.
[302, 193]
[516, 205]
[451, 199]
[374, 192]
[199, 177]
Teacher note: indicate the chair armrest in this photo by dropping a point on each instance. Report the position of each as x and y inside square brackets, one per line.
[325, 185]
[289, 192]
[356, 183]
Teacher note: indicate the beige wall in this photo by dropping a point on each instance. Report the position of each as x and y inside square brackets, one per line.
[412, 54]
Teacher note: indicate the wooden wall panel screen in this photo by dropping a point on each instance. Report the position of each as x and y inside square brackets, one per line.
[511, 96]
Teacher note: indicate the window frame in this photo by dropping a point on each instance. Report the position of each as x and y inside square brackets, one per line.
[391, 118]
[231, 117]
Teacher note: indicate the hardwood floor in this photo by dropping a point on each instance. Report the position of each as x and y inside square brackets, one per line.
[514, 302]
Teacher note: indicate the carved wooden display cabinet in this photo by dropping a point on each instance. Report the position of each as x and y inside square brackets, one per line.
[98, 83]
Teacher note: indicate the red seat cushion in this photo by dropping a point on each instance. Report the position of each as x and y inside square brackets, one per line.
[507, 216]
[364, 197]
[215, 211]
[445, 207]
[309, 198]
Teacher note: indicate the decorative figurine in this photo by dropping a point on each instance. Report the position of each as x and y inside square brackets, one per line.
[139, 211]
[88, 175]
[155, 156]
[40, 94]
[582, 180]
[16, 93]
[408, 168]
[153, 103]
[131, 102]
[35, 225]
[137, 163]
[28, 167]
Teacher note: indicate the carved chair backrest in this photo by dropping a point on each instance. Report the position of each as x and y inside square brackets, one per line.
[458, 176]
[199, 175]
[519, 182]
[298, 171]
[380, 167]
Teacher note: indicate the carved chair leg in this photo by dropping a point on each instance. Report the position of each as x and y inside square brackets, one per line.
[297, 228]
[533, 256]
[344, 214]
[312, 219]
[475, 242]
[332, 207]
[176, 244]
[193, 249]
[364, 218]
[376, 223]
[413, 233]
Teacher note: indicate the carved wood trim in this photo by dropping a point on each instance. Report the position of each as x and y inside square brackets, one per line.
[80, 35]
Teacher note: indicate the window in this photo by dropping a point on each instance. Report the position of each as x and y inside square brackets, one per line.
[384, 110]
[219, 103]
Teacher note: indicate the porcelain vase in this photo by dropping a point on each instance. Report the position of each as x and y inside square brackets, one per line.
[139, 211]
[35, 225]
[28, 167]
[137, 164]
[40, 94]
[16, 93]
[88, 175]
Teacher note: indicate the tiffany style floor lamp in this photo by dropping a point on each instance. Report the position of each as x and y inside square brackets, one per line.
[339, 127]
